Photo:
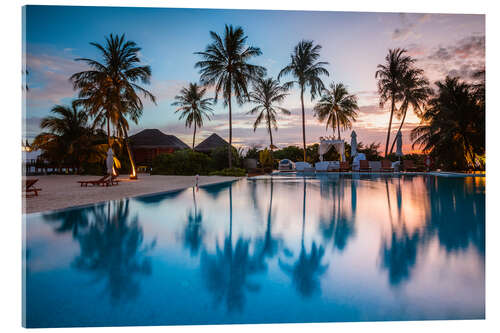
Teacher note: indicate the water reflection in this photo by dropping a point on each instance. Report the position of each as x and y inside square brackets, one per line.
[226, 272]
[356, 241]
[112, 246]
[73, 220]
[337, 225]
[193, 233]
[307, 269]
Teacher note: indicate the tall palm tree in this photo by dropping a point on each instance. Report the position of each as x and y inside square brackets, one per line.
[452, 125]
[225, 65]
[415, 92]
[193, 106]
[306, 70]
[389, 77]
[338, 107]
[113, 79]
[266, 94]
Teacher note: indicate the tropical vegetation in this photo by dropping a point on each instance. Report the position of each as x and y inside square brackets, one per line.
[337, 107]
[306, 70]
[193, 106]
[225, 65]
[390, 76]
[110, 89]
[452, 130]
[267, 94]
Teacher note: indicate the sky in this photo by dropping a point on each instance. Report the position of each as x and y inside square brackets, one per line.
[353, 43]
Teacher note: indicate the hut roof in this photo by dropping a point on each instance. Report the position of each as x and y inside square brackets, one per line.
[154, 138]
[214, 141]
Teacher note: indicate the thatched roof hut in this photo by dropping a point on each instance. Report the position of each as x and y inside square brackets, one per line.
[214, 141]
[154, 138]
[149, 143]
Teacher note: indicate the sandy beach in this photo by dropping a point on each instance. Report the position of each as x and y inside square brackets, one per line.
[63, 191]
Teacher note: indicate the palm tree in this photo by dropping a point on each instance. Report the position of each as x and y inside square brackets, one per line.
[452, 125]
[225, 66]
[389, 78]
[67, 138]
[415, 92]
[110, 89]
[338, 107]
[266, 94]
[306, 70]
[193, 106]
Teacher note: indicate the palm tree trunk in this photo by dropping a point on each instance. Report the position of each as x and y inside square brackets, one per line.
[109, 135]
[133, 174]
[194, 133]
[229, 154]
[399, 129]
[270, 131]
[390, 123]
[338, 124]
[303, 121]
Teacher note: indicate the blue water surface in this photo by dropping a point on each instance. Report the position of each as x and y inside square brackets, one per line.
[278, 250]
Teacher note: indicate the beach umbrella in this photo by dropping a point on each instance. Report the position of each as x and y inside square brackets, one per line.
[354, 144]
[399, 144]
[110, 161]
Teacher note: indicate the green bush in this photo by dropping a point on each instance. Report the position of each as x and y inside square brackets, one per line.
[182, 162]
[219, 158]
[234, 172]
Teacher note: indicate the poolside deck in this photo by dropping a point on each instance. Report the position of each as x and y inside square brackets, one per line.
[63, 191]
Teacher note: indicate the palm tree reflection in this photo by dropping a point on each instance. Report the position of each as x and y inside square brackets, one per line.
[268, 245]
[113, 251]
[399, 253]
[338, 226]
[193, 233]
[227, 270]
[305, 272]
[74, 220]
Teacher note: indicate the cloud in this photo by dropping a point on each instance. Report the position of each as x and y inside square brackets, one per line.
[31, 127]
[409, 23]
[463, 59]
[48, 78]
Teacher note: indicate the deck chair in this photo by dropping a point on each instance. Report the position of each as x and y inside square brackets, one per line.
[29, 190]
[101, 181]
[409, 166]
[113, 181]
[364, 166]
[386, 166]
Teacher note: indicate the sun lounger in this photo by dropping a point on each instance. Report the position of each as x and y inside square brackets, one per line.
[364, 166]
[409, 166]
[99, 182]
[113, 181]
[29, 190]
[344, 167]
[386, 166]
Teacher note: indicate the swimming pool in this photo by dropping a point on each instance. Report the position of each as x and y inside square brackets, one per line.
[273, 250]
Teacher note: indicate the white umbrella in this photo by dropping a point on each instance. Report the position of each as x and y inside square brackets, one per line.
[354, 144]
[110, 161]
[399, 144]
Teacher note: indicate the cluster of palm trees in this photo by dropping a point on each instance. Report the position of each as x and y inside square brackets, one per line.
[225, 66]
[110, 95]
[452, 128]
[399, 81]
[109, 91]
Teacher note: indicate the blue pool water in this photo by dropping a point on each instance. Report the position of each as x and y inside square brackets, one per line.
[275, 250]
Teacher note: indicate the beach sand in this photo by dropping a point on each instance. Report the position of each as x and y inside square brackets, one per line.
[63, 191]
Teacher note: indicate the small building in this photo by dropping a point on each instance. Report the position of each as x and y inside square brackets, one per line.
[214, 141]
[149, 143]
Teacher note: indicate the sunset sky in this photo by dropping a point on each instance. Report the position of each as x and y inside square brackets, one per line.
[353, 44]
